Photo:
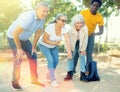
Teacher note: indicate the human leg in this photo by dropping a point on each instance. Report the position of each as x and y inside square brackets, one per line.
[54, 52]
[75, 59]
[89, 51]
[47, 52]
[16, 66]
[27, 47]
[76, 55]
[69, 70]
[70, 66]
[83, 77]
[82, 63]
[50, 60]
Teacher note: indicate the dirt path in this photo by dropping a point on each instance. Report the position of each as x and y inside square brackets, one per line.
[109, 73]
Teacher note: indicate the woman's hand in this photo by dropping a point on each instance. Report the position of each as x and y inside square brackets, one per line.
[82, 52]
[56, 43]
[69, 55]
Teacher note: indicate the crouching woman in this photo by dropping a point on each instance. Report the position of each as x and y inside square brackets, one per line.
[78, 34]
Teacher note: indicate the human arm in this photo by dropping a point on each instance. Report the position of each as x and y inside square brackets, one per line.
[16, 39]
[68, 45]
[101, 25]
[83, 41]
[100, 31]
[24, 22]
[36, 38]
[46, 39]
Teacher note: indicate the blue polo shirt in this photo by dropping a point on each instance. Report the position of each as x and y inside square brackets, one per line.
[29, 22]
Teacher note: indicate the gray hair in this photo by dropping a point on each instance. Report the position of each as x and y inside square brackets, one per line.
[77, 18]
[41, 4]
[58, 17]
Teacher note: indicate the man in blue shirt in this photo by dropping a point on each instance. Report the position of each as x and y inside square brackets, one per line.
[18, 35]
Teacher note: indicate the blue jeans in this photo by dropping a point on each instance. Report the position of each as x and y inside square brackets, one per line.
[70, 65]
[51, 54]
[27, 48]
[82, 61]
[89, 50]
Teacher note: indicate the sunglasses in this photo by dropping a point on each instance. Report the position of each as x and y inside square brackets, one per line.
[64, 21]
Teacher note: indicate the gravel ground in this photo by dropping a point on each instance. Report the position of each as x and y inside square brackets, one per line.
[109, 73]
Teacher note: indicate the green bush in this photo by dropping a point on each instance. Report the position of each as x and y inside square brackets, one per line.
[61, 48]
[100, 47]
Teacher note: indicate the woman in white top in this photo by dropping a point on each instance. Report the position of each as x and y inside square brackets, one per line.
[78, 34]
[50, 39]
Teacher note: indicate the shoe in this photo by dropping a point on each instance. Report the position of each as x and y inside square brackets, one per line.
[98, 78]
[83, 77]
[87, 73]
[37, 83]
[68, 77]
[16, 86]
[74, 71]
[54, 83]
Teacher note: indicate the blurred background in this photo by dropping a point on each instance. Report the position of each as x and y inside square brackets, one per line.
[108, 42]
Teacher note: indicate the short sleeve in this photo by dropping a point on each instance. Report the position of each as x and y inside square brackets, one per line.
[49, 28]
[82, 12]
[65, 29]
[101, 20]
[42, 24]
[25, 20]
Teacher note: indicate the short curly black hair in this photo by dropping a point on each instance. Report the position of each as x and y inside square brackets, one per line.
[99, 1]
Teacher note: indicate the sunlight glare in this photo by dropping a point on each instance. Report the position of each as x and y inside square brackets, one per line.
[27, 3]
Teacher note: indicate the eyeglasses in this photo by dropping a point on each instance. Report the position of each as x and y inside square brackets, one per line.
[64, 21]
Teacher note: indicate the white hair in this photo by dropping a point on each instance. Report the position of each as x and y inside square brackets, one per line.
[77, 18]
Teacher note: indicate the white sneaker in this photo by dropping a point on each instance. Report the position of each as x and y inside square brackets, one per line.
[54, 83]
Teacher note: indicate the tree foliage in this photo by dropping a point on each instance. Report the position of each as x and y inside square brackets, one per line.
[107, 8]
[9, 10]
[117, 3]
[60, 6]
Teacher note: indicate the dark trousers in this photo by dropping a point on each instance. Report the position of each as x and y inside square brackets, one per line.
[27, 48]
[76, 55]
[75, 61]
[89, 52]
